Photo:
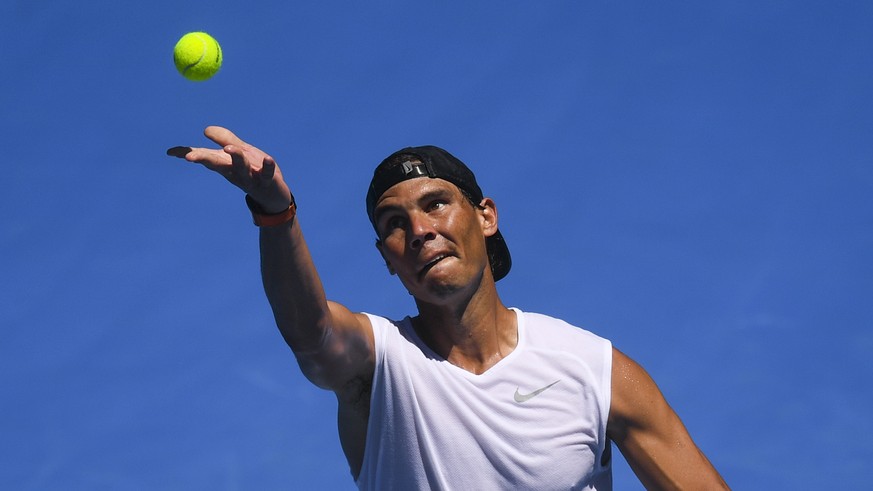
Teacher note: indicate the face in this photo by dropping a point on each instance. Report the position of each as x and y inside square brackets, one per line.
[433, 238]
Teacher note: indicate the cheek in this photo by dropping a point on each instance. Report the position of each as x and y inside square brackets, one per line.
[469, 226]
[393, 245]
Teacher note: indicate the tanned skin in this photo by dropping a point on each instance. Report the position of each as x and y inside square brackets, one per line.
[433, 239]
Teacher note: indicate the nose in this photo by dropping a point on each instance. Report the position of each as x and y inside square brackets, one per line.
[421, 230]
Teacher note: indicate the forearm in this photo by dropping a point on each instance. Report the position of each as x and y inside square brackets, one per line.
[293, 287]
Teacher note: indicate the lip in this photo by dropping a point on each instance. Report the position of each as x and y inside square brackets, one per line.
[433, 261]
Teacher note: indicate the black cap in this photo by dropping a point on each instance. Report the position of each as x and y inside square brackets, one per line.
[436, 163]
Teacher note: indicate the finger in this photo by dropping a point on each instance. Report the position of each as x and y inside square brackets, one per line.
[179, 152]
[268, 170]
[238, 162]
[264, 177]
[222, 136]
[212, 159]
[208, 156]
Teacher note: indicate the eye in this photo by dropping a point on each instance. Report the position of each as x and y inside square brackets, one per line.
[437, 204]
[394, 222]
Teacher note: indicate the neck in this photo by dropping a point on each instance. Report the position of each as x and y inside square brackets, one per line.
[473, 334]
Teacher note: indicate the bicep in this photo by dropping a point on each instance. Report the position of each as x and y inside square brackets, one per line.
[650, 434]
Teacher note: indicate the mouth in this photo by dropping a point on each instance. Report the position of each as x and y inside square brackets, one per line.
[430, 264]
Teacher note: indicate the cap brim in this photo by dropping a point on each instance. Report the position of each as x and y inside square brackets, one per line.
[498, 255]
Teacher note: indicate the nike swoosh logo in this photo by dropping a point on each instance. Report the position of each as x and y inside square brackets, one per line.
[519, 397]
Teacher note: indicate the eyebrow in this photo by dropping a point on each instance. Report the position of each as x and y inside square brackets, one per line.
[434, 194]
[428, 195]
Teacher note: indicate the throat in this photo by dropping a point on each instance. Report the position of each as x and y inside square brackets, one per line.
[475, 348]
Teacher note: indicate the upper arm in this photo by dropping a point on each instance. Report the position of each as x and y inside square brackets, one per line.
[651, 436]
[346, 351]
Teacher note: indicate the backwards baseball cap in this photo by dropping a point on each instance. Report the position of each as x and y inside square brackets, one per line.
[434, 163]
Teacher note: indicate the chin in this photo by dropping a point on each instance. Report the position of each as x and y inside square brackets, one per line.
[441, 284]
[438, 290]
[433, 290]
[443, 290]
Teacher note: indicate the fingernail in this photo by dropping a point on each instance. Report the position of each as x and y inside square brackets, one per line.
[180, 152]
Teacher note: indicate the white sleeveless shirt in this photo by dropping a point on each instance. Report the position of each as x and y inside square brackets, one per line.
[535, 420]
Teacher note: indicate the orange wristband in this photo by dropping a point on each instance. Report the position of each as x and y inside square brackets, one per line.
[262, 219]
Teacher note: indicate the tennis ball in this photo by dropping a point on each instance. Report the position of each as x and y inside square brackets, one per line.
[197, 56]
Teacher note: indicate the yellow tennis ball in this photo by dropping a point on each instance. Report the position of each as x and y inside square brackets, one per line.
[197, 56]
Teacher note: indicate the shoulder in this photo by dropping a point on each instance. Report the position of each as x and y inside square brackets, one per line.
[383, 326]
[391, 336]
[542, 328]
[637, 402]
[555, 340]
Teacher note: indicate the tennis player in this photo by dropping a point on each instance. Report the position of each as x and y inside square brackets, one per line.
[467, 393]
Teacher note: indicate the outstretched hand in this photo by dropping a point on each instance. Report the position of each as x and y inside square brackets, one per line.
[245, 166]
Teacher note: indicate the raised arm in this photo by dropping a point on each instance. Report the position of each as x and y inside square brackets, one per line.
[332, 344]
[651, 436]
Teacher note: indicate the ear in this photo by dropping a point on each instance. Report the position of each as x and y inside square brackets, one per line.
[488, 215]
[382, 253]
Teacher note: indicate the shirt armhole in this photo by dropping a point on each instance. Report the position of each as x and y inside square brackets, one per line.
[605, 405]
[378, 327]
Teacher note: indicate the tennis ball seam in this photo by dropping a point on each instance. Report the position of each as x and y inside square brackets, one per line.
[202, 53]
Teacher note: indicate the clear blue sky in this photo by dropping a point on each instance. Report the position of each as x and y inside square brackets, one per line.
[692, 181]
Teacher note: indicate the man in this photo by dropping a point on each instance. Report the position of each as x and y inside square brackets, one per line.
[468, 394]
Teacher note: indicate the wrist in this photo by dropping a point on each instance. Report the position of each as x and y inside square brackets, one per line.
[263, 218]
